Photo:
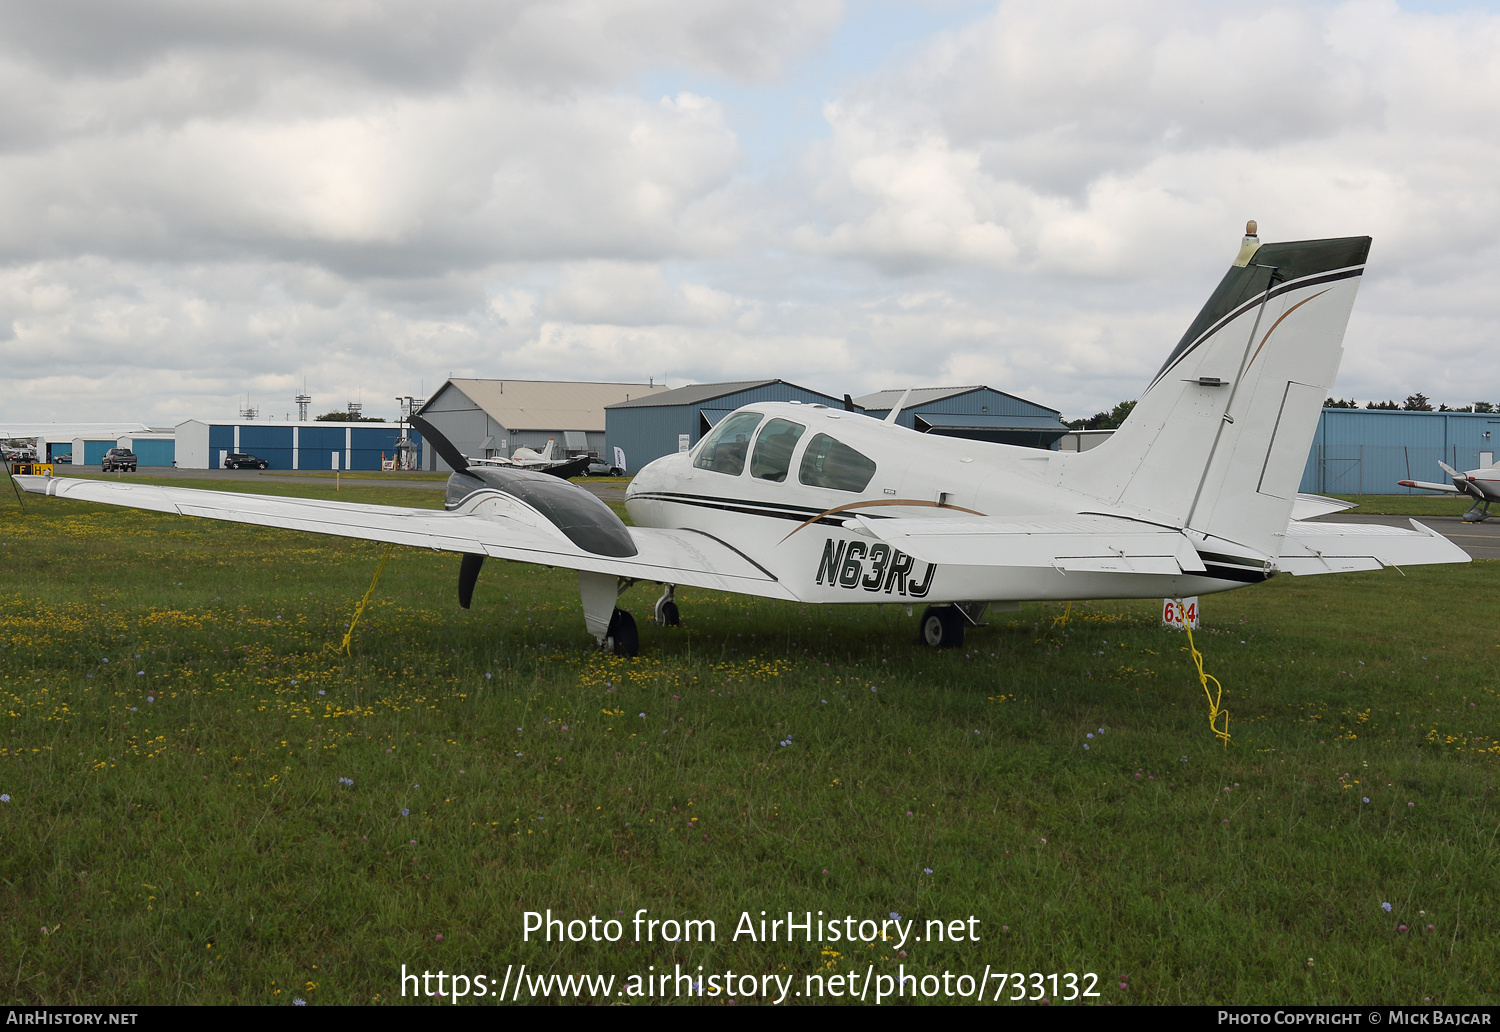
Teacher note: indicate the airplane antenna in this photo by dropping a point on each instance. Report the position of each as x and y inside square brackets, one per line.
[899, 406]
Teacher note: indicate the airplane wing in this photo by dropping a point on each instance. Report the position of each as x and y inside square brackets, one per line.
[511, 531]
[1096, 544]
[1313, 548]
[1448, 488]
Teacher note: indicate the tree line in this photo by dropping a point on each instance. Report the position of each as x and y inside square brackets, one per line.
[1103, 420]
[1418, 402]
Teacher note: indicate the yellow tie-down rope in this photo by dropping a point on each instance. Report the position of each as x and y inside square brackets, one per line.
[1062, 621]
[1215, 695]
[353, 623]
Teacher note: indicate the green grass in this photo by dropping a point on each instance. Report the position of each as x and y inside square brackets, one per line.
[199, 847]
[1409, 505]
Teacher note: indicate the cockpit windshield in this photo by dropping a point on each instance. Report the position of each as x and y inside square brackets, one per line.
[828, 463]
[724, 450]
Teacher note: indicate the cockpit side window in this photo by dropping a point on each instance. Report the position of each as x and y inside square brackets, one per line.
[773, 449]
[724, 450]
[827, 463]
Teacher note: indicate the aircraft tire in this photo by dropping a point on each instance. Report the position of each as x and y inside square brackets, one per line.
[942, 627]
[622, 638]
[667, 615]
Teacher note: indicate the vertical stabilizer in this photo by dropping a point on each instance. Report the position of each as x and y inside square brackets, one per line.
[1219, 440]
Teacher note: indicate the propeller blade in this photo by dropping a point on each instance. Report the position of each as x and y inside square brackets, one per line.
[468, 573]
[1461, 481]
[451, 455]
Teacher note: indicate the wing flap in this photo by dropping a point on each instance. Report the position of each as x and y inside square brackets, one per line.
[1095, 544]
[677, 557]
[1313, 548]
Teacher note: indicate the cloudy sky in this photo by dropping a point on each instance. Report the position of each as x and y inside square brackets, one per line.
[208, 201]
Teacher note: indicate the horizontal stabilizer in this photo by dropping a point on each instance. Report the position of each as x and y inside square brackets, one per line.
[1093, 544]
[1306, 506]
[507, 530]
[1313, 548]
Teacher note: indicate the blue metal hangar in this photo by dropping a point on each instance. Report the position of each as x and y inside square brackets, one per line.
[1368, 451]
[976, 413]
[646, 428]
[310, 445]
[492, 418]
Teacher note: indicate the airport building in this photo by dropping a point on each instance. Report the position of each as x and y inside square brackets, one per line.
[658, 424]
[309, 445]
[489, 418]
[87, 442]
[1367, 451]
[976, 413]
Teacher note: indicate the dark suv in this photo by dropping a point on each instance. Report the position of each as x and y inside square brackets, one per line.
[119, 459]
[243, 460]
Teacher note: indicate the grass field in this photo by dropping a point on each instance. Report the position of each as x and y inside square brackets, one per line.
[176, 831]
[1409, 504]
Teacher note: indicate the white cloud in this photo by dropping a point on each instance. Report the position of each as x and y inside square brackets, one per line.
[1080, 147]
[204, 200]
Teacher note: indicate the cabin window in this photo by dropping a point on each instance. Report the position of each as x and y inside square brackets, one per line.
[827, 463]
[773, 449]
[724, 450]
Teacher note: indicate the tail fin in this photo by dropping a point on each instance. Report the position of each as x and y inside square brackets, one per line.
[1219, 440]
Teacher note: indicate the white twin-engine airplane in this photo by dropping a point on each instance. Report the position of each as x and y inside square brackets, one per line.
[1193, 494]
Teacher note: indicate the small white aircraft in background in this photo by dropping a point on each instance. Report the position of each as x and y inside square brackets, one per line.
[1195, 493]
[540, 461]
[1483, 485]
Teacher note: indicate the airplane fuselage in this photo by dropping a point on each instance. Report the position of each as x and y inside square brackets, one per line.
[806, 523]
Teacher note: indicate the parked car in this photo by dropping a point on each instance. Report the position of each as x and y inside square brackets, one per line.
[66, 457]
[116, 459]
[600, 468]
[244, 460]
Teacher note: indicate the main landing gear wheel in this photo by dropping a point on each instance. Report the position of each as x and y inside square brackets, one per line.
[942, 627]
[622, 639]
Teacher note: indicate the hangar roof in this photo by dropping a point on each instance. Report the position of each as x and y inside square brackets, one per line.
[59, 431]
[883, 401]
[542, 404]
[695, 393]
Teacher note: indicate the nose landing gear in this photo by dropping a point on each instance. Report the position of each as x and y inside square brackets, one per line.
[666, 607]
